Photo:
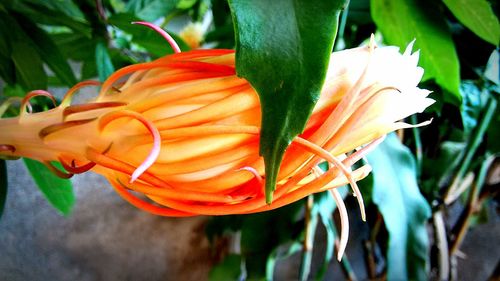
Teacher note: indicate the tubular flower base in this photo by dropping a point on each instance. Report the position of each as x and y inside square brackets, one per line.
[184, 131]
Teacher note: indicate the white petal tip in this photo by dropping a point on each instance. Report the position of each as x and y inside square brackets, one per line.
[409, 48]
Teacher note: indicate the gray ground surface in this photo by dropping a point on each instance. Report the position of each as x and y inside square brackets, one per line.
[104, 239]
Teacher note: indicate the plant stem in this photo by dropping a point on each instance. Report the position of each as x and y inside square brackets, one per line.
[369, 246]
[100, 10]
[168, 18]
[473, 145]
[418, 145]
[310, 229]
[461, 227]
[369, 259]
[340, 41]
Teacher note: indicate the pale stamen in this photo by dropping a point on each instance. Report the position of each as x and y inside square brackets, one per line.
[318, 150]
[155, 150]
[163, 33]
[344, 222]
[254, 172]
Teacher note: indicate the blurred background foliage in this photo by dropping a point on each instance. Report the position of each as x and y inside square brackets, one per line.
[429, 185]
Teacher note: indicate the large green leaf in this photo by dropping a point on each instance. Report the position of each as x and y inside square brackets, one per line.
[402, 21]
[103, 61]
[59, 192]
[473, 102]
[151, 10]
[283, 49]
[75, 46]
[404, 209]
[29, 66]
[3, 185]
[7, 70]
[478, 16]
[42, 14]
[48, 51]
[13, 91]
[67, 7]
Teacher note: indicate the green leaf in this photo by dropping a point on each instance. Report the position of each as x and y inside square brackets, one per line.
[75, 46]
[283, 49]
[20, 63]
[13, 91]
[7, 70]
[49, 52]
[59, 192]
[402, 21]
[42, 14]
[23, 29]
[89, 69]
[404, 209]
[3, 185]
[227, 270]
[186, 4]
[473, 103]
[29, 66]
[492, 71]
[151, 10]
[478, 16]
[103, 61]
[67, 7]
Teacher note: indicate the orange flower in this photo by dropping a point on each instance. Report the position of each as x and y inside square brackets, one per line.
[183, 130]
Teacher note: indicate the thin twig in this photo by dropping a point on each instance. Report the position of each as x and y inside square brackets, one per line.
[100, 10]
[369, 245]
[462, 226]
[310, 229]
[370, 259]
[418, 145]
[472, 146]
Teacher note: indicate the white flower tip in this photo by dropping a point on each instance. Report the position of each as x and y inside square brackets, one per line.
[409, 48]
[415, 57]
[372, 44]
[134, 177]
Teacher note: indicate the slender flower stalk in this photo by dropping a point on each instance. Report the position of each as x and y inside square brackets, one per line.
[179, 136]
